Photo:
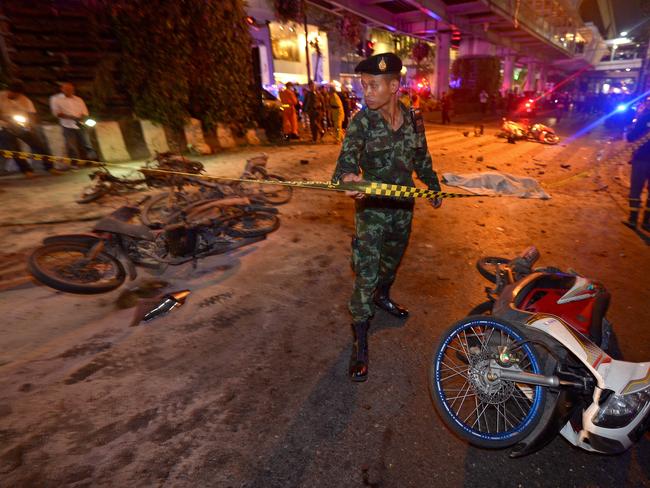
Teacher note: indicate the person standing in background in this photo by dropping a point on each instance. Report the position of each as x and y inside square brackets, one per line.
[336, 113]
[71, 110]
[18, 123]
[314, 110]
[289, 114]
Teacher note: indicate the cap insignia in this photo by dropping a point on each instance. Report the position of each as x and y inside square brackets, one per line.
[382, 64]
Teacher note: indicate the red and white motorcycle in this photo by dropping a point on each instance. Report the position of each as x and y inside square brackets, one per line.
[534, 364]
[515, 131]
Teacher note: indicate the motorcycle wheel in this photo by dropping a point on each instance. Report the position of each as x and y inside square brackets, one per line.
[487, 414]
[64, 266]
[253, 224]
[161, 207]
[267, 193]
[487, 267]
[550, 138]
[92, 193]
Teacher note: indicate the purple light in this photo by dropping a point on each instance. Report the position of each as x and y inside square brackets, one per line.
[455, 83]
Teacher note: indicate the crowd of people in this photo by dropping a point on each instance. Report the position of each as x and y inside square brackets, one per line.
[316, 109]
[19, 123]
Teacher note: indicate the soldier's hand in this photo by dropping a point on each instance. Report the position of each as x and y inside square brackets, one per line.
[435, 202]
[352, 178]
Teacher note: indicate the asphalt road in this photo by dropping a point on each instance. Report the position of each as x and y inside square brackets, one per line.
[246, 384]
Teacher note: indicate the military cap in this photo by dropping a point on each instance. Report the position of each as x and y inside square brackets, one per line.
[380, 64]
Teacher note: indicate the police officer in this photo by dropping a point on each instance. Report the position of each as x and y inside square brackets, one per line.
[384, 142]
[640, 176]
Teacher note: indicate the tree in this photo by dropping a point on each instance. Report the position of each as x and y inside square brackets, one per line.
[422, 54]
[185, 58]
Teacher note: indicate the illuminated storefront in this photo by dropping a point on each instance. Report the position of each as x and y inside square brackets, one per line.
[288, 48]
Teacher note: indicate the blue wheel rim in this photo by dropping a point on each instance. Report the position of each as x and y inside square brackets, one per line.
[465, 422]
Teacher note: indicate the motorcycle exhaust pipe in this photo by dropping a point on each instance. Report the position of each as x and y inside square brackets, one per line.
[167, 304]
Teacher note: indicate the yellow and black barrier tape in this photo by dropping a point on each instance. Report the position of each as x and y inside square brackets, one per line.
[368, 188]
[5, 153]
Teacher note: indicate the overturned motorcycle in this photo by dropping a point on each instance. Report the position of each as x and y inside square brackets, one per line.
[532, 365]
[95, 262]
[515, 131]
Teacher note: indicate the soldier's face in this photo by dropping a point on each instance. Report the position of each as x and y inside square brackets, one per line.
[378, 90]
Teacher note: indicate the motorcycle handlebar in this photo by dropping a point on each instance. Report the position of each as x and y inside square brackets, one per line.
[530, 255]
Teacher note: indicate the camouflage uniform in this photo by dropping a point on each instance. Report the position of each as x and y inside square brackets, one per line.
[383, 225]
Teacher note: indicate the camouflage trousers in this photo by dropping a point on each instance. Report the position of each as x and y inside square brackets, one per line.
[383, 228]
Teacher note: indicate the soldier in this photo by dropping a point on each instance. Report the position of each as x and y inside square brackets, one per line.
[314, 109]
[385, 142]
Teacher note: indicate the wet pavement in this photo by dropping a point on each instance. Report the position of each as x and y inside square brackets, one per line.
[246, 384]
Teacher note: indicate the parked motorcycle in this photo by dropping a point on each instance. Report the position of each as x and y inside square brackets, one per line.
[103, 182]
[520, 131]
[159, 207]
[533, 365]
[93, 263]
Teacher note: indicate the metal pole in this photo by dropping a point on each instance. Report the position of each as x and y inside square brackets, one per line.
[304, 11]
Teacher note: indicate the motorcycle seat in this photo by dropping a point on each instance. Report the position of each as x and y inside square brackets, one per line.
[114, 226]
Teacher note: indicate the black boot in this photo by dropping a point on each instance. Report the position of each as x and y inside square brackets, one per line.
[359, 359]
[383, 301]
[645, 224]
[631, 222]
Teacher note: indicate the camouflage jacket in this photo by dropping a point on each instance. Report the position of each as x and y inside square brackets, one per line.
[384, 155]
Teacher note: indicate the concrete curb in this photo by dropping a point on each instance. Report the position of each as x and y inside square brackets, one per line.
[134, 139]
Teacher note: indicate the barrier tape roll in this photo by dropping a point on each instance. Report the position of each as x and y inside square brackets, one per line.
[368, 188]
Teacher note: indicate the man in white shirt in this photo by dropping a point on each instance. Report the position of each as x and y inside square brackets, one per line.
[18, 123]
[71, 111]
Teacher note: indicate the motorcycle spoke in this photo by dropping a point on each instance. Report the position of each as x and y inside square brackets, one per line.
[456, 373]
[466, 395]
[503, 412]
[460, 351]
[466, 387]
[482, 414]
[478, 336]
[464, 346]
[453, 363]
[487, 341]
[69, 264]
[516, 402]
[472, 412]
[526, 364]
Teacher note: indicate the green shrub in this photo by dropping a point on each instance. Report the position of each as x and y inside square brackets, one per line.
[270, 119]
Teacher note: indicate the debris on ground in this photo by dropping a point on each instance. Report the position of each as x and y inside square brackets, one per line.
[146, 289]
